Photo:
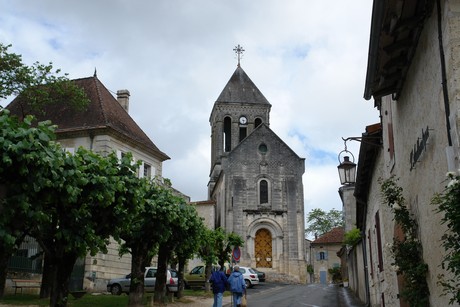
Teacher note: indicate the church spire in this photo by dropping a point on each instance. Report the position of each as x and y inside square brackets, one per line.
[239, 51]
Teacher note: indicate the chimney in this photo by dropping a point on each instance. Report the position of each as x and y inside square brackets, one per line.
[123, 99]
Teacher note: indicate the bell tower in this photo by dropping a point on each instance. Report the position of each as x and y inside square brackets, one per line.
[239, 110]
[255, 180]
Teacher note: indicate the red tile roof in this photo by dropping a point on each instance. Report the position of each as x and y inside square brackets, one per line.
[103, 115]
[333, 236]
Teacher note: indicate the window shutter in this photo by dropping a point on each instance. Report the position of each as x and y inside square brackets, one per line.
[318, 257]
[379, 241]
[141, 170]
[325, 255]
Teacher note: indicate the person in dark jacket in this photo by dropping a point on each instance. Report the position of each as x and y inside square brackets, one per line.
[237, 286]
[219, 284]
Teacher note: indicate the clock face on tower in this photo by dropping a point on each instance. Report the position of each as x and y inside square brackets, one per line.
[243, 120]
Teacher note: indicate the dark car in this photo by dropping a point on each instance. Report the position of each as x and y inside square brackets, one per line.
[260, 274]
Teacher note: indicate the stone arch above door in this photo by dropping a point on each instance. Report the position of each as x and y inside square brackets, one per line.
[259, 231]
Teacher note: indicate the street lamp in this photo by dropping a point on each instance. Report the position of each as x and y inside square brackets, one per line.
[347, 168]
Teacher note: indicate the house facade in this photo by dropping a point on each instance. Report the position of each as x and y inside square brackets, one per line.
[105, 126]
[256, 182]
[412, 79]
[324, 255]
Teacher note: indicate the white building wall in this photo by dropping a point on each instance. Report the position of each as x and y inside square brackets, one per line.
[381, 282]
[421, 107]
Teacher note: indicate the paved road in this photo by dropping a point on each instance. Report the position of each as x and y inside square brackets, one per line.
[310, 295]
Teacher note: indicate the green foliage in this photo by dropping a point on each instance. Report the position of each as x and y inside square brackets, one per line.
[28, 157]
[36, 85]
[336, 274]
[352, 237]
[310, 269]
[447, 204]
[319, 222]
[407, 252]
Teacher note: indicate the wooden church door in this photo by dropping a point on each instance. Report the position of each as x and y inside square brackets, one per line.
[263, 246]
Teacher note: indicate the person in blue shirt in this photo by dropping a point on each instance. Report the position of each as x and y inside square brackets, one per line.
[219, 284]
[237, 286]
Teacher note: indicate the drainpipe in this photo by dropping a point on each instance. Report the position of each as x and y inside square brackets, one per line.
[443, 73]
[366, 270]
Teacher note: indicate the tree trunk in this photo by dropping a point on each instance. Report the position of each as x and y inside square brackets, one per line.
[181, 268]
[4, 257]
[60, 289]
[136, 288]
[48, 276]
[208, 271]
[160, 283]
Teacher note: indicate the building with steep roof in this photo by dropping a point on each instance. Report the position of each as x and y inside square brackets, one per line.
[324, 254]
[412, 79]
[104, 126]
[256, 182]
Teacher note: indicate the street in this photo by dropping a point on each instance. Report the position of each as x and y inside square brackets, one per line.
[310, 295]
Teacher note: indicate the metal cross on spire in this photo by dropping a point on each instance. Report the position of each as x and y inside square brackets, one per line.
[239, 51]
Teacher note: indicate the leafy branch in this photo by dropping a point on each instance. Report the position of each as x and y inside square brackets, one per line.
[407, 252]
[447, 203]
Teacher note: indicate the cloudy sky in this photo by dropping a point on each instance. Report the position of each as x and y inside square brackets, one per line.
[307, 57]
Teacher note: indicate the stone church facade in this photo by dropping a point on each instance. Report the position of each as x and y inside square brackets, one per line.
[256, 182]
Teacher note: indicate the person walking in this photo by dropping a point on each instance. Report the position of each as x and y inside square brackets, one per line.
[219, 284]
[237, 286]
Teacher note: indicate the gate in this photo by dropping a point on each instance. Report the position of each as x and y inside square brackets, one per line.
[263, 248]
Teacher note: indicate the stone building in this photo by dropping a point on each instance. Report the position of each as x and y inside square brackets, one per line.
[256, 181]
[324, 254]
[412, 78]
[104, 126]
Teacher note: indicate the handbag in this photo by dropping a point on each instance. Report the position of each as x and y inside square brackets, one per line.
[244, 302]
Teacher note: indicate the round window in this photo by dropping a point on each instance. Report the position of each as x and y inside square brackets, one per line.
[263, 148]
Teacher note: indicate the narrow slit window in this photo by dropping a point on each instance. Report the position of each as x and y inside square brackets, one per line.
[263, 189]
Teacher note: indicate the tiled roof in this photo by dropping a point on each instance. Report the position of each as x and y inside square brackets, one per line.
[103, 113]
[333, 236]
[204, 202]
[241, 89]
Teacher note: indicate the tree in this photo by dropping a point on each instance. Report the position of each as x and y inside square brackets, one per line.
[79, 207]
[319, 222]
[37, 85]
[190, 238]
[30, 145]
[27, 158]
[185, 228]
[149, 217]
[216, 247]
[225, 244]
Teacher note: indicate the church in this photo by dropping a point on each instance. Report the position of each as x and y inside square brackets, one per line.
[256, 181]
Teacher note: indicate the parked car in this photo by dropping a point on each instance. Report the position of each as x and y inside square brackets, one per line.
[121, 285]
[196, 278]
[250, 276]
[260, 274]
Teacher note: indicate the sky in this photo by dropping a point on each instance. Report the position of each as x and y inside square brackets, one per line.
[308, 58]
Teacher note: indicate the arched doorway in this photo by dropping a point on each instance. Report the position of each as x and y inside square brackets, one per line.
[263, 248]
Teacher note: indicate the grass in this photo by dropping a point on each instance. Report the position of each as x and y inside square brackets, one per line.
[89, 300]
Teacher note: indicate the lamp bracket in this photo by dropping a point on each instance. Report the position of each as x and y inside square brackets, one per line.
[362, 140]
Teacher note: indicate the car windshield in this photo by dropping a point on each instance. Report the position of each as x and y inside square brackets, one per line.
[173, 273]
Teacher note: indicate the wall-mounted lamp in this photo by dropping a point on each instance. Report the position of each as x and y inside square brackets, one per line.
[346, 168]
